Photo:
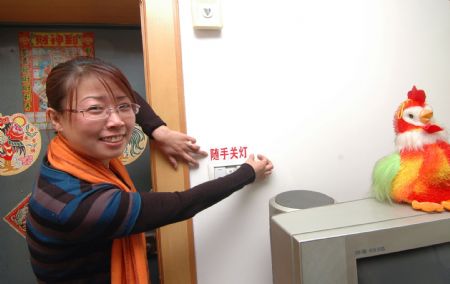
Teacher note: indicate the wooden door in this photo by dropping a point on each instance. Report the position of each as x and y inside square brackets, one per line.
[164, 85]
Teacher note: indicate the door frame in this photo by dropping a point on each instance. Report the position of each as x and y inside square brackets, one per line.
[164, 91]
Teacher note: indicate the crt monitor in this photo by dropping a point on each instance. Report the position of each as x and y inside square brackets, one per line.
[361, 241]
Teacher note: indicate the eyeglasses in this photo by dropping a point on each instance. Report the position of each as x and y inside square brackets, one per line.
[97, 112]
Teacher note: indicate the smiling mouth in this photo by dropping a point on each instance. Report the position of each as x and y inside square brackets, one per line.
[113, 139]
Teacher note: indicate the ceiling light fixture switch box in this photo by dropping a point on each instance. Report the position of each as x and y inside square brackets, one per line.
[206, 14]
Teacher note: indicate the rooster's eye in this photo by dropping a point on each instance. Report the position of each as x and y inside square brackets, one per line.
[410, 115]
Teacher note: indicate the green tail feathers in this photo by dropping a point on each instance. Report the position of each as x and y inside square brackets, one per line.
[383, 174]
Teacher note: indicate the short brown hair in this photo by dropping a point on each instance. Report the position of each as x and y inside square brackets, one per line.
[63, 80]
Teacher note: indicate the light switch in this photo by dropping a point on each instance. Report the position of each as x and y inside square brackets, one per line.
[222, 169]
[219, 172]
[206, 14]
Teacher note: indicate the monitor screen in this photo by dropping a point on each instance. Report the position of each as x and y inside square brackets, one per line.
[420, 265]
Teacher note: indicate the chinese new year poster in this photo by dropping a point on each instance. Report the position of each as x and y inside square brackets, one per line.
[39, 53]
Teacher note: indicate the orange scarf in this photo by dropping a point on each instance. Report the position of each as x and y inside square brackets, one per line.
[128, 258]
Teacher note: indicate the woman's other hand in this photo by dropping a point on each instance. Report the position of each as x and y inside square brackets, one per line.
[178, 146]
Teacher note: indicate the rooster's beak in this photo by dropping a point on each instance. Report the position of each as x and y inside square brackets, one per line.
[425, 116]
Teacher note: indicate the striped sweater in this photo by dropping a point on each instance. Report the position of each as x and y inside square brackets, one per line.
[71, 223]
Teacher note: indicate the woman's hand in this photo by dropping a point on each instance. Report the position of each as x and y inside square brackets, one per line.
[176, 145]
[262, 166]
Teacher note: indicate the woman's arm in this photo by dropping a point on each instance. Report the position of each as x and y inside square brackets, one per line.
[146, 117]
[163, 208]
[173, 144]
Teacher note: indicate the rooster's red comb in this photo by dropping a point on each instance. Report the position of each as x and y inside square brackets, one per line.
[416, 95]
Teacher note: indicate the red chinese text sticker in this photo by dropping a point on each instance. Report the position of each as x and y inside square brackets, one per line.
[228, 153]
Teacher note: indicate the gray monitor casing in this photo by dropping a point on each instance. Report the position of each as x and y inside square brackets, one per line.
[322, 244]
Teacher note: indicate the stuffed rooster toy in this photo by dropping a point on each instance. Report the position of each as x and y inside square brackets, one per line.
[418, 173]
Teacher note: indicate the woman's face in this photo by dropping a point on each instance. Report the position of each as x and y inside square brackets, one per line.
[102, 139]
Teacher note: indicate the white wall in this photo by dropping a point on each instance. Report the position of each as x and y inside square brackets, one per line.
[314, 86]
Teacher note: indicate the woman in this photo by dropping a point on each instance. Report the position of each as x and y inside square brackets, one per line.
[86, 220]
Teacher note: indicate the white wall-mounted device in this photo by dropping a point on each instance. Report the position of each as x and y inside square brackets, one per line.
[219, 169]
[206, 14]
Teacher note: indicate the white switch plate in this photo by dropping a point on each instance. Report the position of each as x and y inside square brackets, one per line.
[223, 168]
[206, 14]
